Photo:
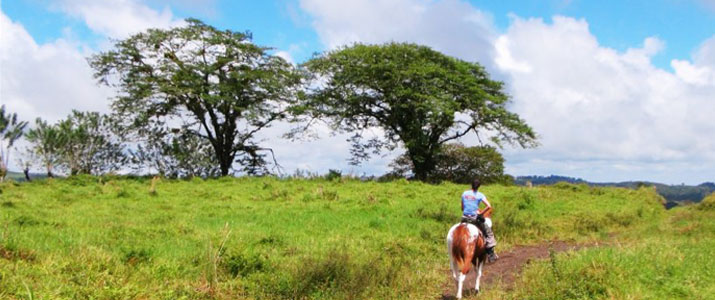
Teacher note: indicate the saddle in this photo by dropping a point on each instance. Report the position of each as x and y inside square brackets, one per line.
[477, 220]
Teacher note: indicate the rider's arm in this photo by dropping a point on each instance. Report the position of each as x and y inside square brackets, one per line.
[487, 208]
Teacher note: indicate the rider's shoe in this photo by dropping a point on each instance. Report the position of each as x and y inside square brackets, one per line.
[491, 256]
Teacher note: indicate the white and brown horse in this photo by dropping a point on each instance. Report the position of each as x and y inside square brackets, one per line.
[466, 248]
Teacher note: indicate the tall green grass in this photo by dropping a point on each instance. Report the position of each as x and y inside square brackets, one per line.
[267, 238]
[672, 259]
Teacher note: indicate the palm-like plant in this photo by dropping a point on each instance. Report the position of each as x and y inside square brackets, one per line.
[10, 131]
[47, 141]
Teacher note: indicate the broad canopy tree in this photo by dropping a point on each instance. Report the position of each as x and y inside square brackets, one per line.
[419, 97]
[220, 83]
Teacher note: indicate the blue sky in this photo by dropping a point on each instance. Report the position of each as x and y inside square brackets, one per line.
[681, 24]
[617, 90]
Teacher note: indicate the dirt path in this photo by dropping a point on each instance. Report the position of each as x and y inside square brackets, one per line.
[508, 267]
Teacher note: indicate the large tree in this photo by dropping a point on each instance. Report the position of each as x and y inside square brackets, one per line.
[218, 81]
[10, 131]
[419, 97]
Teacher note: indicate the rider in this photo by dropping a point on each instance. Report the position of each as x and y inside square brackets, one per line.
[471, 212]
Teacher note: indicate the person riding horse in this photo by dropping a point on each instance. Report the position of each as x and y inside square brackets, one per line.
[472, 214]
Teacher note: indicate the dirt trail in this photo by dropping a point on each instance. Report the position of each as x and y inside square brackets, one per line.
[508, 267]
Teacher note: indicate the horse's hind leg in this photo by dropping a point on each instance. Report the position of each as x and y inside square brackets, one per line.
[460, 284]
[455, 269]
[480, 263]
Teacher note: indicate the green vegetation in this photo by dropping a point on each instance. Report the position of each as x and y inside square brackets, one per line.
[221, 86]
[459, 164]
[670, 260]
[266, 238]
[419, 97]
[11, 129]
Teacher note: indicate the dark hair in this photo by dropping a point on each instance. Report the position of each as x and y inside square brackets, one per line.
[475, 184]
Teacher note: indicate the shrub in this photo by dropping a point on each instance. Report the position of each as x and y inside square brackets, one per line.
[244, 264]
[708, 203]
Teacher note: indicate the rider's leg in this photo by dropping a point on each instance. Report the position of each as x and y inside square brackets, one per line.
[490, 241]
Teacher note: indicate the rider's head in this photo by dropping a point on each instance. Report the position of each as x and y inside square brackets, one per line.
[475, 184]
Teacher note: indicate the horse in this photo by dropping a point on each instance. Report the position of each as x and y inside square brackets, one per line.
[466, 248]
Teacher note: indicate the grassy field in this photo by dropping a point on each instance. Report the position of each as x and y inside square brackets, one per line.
[265, 238]
[672, 260]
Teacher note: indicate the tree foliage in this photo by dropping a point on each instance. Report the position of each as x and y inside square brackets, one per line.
[47, 142]
[418, 97]
[10, 131]
[89, 144]
[218, 82]
[174, 153]
[460, 164]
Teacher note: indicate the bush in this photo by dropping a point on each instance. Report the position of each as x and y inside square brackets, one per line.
[243, 264]
[459, 164]
[708, 203]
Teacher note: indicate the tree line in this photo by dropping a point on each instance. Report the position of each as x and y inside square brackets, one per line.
[191, 100]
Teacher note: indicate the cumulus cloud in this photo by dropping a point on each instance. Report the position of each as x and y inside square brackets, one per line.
[47, 80]
[118, 18]
[451, 26]
[701, 71]
[598, 109]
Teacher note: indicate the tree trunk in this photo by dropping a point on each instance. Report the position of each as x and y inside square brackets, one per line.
[27, 174]
[49, 171]
[423, 164]
[225, 162]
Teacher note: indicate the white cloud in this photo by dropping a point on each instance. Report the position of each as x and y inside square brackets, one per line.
[598, 109]
[118, 18]
[505, 61]
[50, 80]
[701, 71]
[47, 80]
[285, 55]
[451, 26]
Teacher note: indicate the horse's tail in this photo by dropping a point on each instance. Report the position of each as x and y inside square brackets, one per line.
[460, 240]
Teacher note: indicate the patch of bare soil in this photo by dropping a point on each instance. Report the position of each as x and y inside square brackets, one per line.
[507, 268]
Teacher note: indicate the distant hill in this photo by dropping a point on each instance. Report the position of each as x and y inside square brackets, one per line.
[674, 194]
